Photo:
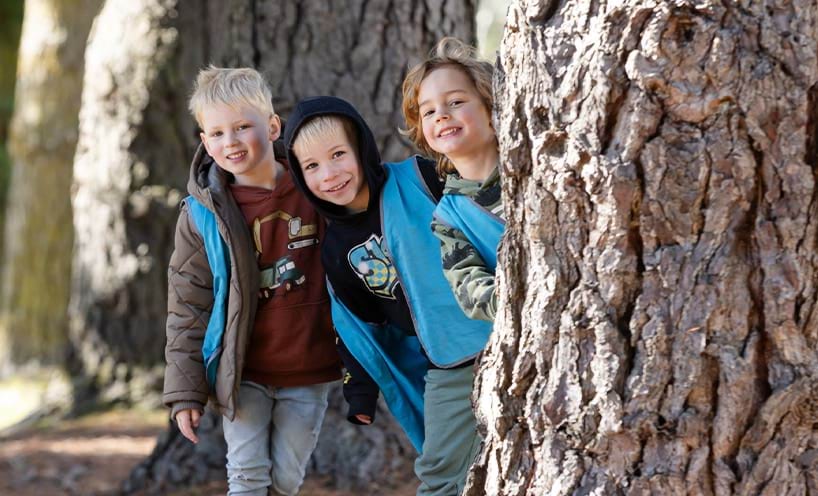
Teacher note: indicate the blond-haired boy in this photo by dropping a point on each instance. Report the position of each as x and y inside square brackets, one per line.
[248, 313]
[393, 310]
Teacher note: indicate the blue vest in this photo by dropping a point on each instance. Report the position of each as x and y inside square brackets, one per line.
[393, 360]
[481, 227]
[448, 336]
[219, 260]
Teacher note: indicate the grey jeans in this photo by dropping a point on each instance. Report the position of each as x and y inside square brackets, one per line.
[270, 440]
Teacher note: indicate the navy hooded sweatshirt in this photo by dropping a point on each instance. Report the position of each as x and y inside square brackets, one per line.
[347, 231]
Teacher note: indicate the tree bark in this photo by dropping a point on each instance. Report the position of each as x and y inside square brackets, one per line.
[43, 135]
[129, 175]
[657, 326]
[136, 138]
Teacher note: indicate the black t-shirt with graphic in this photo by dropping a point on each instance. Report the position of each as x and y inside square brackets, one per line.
[362, 275]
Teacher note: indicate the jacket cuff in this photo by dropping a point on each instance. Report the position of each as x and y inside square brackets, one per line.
[362, 405]
[184, 405]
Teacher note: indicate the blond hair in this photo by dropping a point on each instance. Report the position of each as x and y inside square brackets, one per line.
[449, 52]
[234, 87]
[316, 129]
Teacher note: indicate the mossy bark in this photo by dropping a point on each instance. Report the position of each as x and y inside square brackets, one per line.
[42, 139]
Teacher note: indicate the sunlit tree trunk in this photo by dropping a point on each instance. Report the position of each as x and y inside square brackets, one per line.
[136, 139]
[657, 328]
[39, 233]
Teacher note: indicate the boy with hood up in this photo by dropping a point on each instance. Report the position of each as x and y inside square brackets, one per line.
[398, 322]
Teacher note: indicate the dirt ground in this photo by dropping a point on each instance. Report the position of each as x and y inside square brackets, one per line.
[91, 456]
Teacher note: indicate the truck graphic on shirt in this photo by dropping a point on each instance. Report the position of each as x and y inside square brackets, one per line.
[284, 273]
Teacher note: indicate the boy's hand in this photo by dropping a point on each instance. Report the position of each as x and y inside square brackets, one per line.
[188, 421]
[364, 419]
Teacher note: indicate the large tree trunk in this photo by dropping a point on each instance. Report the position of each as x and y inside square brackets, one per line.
[39, 233]
[129, 175]
[658, 325]
[136, 138]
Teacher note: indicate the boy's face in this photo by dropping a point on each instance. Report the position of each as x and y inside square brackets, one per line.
[239, 139]
[454, 119]
[332, 170]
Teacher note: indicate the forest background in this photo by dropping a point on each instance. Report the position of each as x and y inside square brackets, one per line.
[50, 447]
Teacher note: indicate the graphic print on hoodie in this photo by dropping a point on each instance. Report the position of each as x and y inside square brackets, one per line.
[376, 270]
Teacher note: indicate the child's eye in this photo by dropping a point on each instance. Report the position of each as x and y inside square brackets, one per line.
[427, 113]
[243, 126]
[339, 153]
[215, 134]
[309, 166]
[455, 103]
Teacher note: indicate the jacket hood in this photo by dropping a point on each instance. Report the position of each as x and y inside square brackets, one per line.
[368, 154]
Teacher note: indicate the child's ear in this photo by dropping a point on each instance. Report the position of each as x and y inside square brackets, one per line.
[275, 127]
[203, 137]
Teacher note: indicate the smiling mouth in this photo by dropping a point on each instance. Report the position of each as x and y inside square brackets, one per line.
[339, 187]
[237, 155]
[448, 132]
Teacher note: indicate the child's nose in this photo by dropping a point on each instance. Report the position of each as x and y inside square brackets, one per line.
[329, 171]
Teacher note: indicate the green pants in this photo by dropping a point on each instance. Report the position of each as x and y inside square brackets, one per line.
[451, 440]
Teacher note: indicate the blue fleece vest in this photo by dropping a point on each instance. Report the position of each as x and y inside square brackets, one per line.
[481, 227]
[393, 360]
[219, 260]
[448, 336]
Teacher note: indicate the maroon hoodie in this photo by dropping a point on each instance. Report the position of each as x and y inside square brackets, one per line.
[292, 343]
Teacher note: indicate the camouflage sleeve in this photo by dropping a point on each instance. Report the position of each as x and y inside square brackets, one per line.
[471, 280]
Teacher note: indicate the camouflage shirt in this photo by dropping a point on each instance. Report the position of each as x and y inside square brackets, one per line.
[471, 280]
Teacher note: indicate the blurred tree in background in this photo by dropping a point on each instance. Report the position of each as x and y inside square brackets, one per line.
[489, 22]
[11, 21]
[42, 140]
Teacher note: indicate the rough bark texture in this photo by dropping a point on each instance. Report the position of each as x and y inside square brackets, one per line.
[136, 138]
[43, 135]
[658, 324]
